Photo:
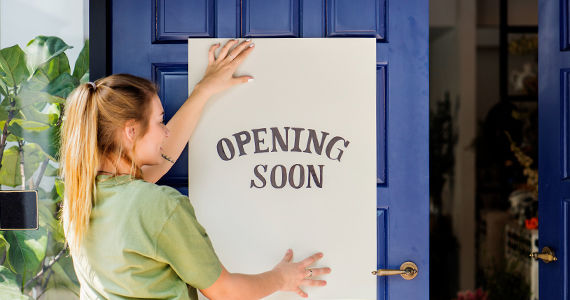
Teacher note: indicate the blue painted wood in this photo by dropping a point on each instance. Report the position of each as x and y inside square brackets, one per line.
[381, 79]
[553, 137]
[565, 119]
[406, 193]
[565, 24]
[178, 20]
[172, 81]
[382, 244]
[228, 18]
[350, 18]
[405, 139]
[313, 18]
[566, 246]
[276, 18]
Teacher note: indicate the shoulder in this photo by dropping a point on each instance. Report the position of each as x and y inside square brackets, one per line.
[144, 201]
[151, 192]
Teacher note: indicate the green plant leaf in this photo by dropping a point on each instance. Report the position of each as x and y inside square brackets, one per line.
[29, 96]
[62, 85]
[4, 111]
[42, 49]
[26, 125]
[9, 286]
[27, 251]
[85, 78]
[38, 82]
[51, 170]
[81, 67]
[64, 275]
[10, 171]
[12, 138]
[57, 66]
[47, 137]
[33, 114]
[4, 246]
[13, 66]
[48, 220]
[3, 88]
[59, 187]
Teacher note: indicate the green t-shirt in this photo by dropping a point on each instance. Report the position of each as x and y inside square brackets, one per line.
[143, 241]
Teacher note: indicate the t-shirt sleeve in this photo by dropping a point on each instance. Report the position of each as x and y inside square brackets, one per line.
[185, 246]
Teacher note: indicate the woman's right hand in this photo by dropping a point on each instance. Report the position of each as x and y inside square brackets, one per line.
[219, 74]
[294, 275]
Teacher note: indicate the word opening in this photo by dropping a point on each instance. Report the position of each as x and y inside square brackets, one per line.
[285, 139]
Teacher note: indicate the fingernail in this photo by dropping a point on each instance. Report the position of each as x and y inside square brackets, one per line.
[248, 40]
[251, 45]
[250, 80]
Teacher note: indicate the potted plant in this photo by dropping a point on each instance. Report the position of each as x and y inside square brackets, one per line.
[34, 83]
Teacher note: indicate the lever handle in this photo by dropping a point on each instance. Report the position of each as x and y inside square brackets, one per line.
[547, 255]
[408, 271]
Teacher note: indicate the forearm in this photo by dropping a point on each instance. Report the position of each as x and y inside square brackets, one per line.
[236, 286]
[181, 127]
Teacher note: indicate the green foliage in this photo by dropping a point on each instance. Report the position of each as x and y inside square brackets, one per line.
[9, 285]
[42, 50]
[34, 83]
[10, 171]
[27, 251]
[81, 70]
[13, 67]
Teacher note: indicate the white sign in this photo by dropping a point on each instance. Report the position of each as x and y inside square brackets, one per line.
[289, 161]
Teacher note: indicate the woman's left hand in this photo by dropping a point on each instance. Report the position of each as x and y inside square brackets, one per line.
[219, 74]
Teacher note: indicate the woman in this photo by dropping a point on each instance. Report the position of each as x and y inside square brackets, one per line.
[128, 237]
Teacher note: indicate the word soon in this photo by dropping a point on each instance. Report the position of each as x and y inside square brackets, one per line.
[295, 176]
[333, 147]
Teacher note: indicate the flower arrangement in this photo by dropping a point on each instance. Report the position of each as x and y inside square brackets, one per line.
[478, 294]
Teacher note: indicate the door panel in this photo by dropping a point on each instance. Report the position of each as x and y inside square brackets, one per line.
[277, 18]
[183, 19]
[149, 40]
[554, 143]
[356, 18]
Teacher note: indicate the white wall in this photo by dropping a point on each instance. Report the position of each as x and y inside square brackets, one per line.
[22, 20]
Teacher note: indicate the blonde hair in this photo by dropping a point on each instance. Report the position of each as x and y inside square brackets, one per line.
[94, 115]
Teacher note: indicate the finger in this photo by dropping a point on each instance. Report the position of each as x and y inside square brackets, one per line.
[242, 79]
[243, 55]
[320, 271]
[311, 259]
[226, 48]
[211, 53]
[309, 282]
[301, 293]
[239, 48]
[288, 256]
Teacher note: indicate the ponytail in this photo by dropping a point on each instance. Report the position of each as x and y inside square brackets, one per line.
[94, 115]
[80, 157]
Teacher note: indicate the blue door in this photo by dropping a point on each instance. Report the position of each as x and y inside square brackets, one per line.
[149, 39]
[554, 145]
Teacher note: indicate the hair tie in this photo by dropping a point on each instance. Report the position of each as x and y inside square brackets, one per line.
[93, 85]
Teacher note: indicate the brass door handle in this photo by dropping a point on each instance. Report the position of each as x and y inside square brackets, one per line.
[547, 255]
[408, 271]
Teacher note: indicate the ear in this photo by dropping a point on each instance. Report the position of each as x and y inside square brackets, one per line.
[130, 130]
